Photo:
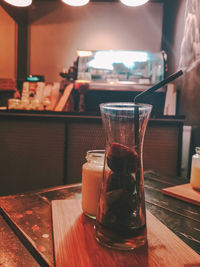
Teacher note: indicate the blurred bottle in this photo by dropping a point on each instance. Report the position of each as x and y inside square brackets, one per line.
[195, 170]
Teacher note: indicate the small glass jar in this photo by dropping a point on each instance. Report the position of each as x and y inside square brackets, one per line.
[13, 103]
[92, 172]
[35, 104]
[24, 103]
[195, 170]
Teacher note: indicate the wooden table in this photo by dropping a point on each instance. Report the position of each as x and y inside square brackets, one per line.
[26, 228]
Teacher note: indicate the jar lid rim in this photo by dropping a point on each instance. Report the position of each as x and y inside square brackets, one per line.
[197, 149]
[96, 152]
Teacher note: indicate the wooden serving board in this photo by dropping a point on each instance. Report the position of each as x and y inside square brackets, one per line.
[75, 244]
[184, 192]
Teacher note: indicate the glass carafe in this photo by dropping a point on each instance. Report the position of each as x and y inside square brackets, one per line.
[121, 217]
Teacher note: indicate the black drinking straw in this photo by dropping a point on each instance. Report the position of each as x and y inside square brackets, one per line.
[138, 171]
[159, 85]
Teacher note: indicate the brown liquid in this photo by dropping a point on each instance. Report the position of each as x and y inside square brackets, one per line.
[121, 218]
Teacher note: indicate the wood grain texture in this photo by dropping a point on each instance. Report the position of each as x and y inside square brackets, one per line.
[12, 249]
[75, 244]
[184, 192]
[31, 155]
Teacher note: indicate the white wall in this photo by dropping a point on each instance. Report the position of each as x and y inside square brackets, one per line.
[8, 30]
[55, 37]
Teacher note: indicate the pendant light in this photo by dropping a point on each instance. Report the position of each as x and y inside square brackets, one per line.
[134, 2]
[76, 2]
[19, 3]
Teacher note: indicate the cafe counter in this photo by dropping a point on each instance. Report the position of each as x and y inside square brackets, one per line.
[44, 149]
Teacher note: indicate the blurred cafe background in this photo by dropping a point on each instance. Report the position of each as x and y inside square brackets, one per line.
[59, 62]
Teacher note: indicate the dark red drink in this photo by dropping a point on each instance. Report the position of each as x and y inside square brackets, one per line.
[121, 214]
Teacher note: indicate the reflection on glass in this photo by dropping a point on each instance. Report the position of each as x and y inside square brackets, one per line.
[125, 58]
[137, 67]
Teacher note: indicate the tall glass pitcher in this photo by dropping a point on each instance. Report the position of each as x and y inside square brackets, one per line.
[121, 217]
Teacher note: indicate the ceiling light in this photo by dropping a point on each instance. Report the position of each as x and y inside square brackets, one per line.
[76, 2]
[20, 3]
[134, 2]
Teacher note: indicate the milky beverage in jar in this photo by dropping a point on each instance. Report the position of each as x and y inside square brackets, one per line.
[92, 172]
[195, 170]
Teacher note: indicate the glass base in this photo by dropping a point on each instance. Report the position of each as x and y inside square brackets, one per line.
[114, 241]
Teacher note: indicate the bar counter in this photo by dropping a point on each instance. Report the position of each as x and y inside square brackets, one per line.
[26, 225]
[42, 148]
[44, 114]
